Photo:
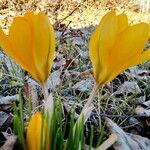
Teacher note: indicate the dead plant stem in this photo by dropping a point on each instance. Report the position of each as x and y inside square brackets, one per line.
[108, 143]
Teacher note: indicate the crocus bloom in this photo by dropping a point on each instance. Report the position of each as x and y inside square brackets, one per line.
[34, 133]
[31, 43]
[115, 46]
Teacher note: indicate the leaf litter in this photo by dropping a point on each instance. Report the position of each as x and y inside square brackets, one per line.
[72, 76]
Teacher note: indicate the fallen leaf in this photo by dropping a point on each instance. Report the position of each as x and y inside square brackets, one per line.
[127, 141]
[9, 99]
[59, 61]
[54, 79]
[9, 144]
[5, 107]
[67, 64]
[30, 93]
[143, 111]
[137, 126]
[34, 83]
[3, 118]
[128, 88]
[138, 73]
[78, 40]
[83, 53]
[84, 85]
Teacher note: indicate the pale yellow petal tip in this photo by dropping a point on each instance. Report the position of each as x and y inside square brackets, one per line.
[28, 13]
[35, 117]
[32, 13]
[111, 13]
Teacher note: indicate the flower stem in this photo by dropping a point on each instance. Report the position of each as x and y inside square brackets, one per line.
[87, 109]
[45, 91]
[91, 97]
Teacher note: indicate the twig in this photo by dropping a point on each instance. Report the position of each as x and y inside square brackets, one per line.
[108, 143]
[68, 15]
[65, 29]
[132, 125]
[59, 22]
[123, 116]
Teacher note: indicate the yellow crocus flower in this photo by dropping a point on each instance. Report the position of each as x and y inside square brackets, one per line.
[149, 32]
[31, 43]
[34, 133]
[115, 46]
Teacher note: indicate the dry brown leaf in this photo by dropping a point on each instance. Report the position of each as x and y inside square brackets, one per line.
[3, 118]
[9, 144]
[143, 110]
[88, 73]
[128, 88]
[54, 79]
[140, 74]
[127, 141]
[30, 93]
[84, 85]
[9, 99]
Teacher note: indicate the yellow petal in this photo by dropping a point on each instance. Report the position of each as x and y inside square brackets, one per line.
[34, 133]
[128, 49]
[122, 48]
[18, 44]
[149, 32]
[101, 42]
[4, 42]
[104, 38]
[132, 61]
[43, 44]
[129, 43]
[52, 48]
[31, 43]
[122, 22]
[144, 56]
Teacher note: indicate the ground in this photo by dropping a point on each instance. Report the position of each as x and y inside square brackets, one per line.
[71, 77]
